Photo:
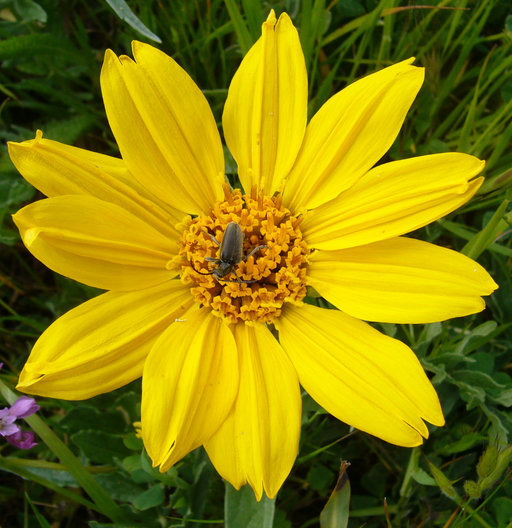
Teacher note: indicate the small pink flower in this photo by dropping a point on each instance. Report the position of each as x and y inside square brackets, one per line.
[24, 406]
[7, 425]
[22, 439]
[21, 408]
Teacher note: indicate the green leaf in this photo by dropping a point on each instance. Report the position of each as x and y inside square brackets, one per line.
[59, 477]
[423, 478]
[443, 482]
[170, 478]
[483, 362]
[477, 337]
[502, 507]
[129, 402]
[152, 497]
[487, 463]
[14, 190]
[123, 11]
[508, 23]
[99, 446]
[473, 396]
[133, 442]
[477, 379]
[467, 441]
[432, 330]
[119, 487]
[242, 509]
[133, 465]
[88, 417]
[336, 512]
[30, 11]
[69, 130]
[319, 477]
[280, 520]
[8, 237]
[503, 398]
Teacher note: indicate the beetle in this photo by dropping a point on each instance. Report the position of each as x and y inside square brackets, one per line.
[230, 254]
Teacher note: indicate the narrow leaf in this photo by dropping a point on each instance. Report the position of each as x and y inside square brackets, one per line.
[242, 31]
[123, 11]
[336, 512]
[482, 240]
[43, 523]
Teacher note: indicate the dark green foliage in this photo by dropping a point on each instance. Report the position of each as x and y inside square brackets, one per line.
[51, 54]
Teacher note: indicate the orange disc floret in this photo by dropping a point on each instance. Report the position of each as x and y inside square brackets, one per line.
[256, 287]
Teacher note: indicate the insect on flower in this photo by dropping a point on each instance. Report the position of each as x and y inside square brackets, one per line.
[137, 225]
[230, 254]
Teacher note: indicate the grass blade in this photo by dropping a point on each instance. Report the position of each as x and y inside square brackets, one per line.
[123, 11]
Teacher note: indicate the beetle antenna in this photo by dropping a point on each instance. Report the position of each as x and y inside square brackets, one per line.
[197, 271]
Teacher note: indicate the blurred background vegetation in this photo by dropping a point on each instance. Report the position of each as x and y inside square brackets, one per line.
[51, 53]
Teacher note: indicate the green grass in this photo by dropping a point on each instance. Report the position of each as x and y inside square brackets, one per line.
[51, 54]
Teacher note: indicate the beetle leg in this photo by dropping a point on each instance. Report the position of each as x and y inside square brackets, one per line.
[211, 236]
[254, 251]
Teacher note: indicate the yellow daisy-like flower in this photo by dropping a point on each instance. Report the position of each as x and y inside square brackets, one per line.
[200, 323]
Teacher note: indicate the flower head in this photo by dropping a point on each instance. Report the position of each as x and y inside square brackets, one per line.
[202, 278]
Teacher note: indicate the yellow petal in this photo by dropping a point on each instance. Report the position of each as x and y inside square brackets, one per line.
[350, 133]
[102, 344]
[266, 110]
[362, 377]
[164, 128]
[393, 199]
[258, 442]
[95, 242]
[56, 169]
[400, 280]
[189, 384]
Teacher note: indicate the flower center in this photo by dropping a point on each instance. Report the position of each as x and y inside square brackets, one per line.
[233, 277]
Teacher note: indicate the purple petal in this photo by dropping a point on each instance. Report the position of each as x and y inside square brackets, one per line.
[22, 439]
[6, 420]
[8, 429]
[4, 413]
[24, 406]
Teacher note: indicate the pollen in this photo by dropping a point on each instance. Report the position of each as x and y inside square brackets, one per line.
[256, 287]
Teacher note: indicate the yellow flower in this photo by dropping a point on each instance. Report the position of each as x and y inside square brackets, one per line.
[214, 373]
